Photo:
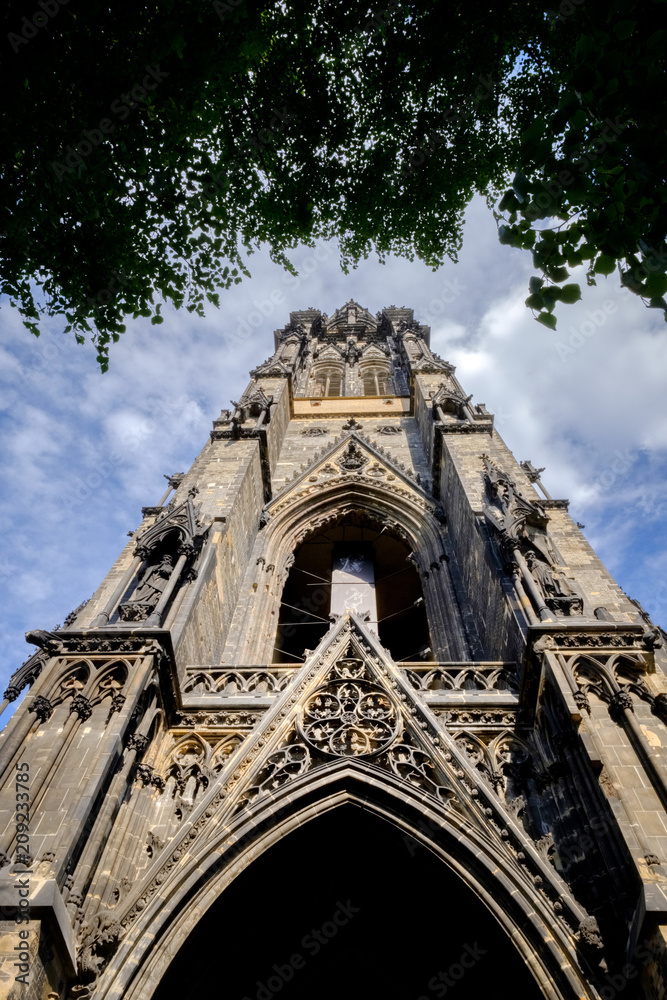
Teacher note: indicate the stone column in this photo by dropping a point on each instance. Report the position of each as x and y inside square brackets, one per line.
[103, 617]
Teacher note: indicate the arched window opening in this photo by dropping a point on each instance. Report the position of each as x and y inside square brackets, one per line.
[341, 927]
[327, 380]
[376, 379]
[358, 565]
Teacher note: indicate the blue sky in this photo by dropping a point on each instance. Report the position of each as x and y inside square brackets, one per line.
[82, 452]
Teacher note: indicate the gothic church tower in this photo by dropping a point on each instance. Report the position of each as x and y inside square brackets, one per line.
[357, 670]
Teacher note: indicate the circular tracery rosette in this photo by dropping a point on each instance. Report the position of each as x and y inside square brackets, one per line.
[350, 718]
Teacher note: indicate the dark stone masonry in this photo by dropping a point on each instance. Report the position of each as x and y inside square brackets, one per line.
[358, 670]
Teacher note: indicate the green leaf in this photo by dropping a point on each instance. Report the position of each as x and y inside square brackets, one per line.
[521, 186]
[656, 285]
[570, 293]
[604, 264]
[546, 319]
[623, 29]
[550, 295]
[509, 202]
[506, 235]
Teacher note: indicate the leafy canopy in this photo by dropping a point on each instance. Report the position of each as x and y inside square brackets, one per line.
[148, 148]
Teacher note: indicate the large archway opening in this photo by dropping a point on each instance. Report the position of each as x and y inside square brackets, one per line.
[344, 908]
[398, 602]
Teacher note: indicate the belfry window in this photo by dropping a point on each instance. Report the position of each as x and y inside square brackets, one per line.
[327, 381]
[353, 565]
[376, 379]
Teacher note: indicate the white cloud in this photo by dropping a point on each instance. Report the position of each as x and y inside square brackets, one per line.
[82, 452]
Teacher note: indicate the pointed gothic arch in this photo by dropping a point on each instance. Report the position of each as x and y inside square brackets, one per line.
[405, 511]
[397, 594]
[545, 943]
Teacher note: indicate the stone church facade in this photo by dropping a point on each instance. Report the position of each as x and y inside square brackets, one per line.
[357, 603]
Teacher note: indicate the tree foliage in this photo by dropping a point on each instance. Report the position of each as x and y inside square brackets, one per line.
[148, 148]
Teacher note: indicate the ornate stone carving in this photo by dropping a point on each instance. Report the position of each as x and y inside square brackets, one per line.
[315, 431]
[116, 703]
[659, 706]
[42, 708]
[618, 639]
[416, 767]
[72, 616]
[581, 700]
[464, 677]
[138, 743]
[176, 478]
[144, 773]
[81, 706]
[25, 676]
[619, 703]
[511, 511]
[228, 683]
[281, 767]
[154, 844]
[388, 429]
[589, 935]
[499, 718]
[349, 718]
[149, 590]
[557, 593]
[99, 945]
[352, 459]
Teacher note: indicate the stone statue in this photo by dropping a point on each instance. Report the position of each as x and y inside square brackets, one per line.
[153, 582]
[557, 594]
[149, 591]
[549, 583]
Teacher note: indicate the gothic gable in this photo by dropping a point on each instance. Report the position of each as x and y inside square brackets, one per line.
[349, 719]
[351, 459]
